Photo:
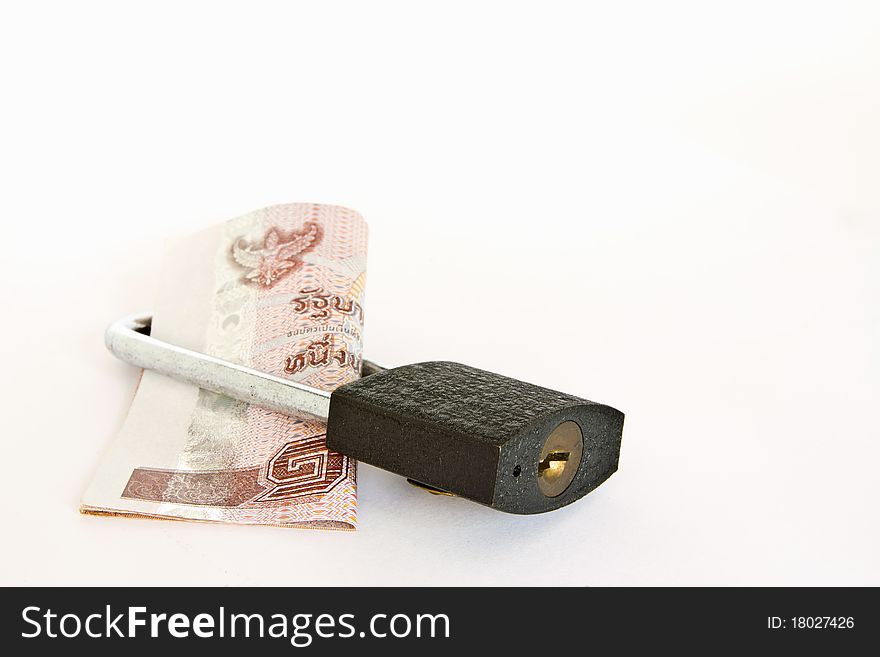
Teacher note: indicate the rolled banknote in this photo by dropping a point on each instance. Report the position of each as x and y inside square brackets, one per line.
[280, 290]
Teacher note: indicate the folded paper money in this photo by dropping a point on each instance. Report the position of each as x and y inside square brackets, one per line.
[280, 290]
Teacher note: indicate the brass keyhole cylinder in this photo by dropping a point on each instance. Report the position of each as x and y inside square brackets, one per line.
[560, 458]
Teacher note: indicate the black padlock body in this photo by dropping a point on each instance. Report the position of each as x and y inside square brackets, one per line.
[470, 432]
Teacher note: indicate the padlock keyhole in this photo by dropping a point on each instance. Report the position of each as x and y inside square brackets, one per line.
[553, 465]
[560, 458]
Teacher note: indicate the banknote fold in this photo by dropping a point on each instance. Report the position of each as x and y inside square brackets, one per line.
[280, 290]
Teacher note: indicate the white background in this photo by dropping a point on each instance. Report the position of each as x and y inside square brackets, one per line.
[666, 207]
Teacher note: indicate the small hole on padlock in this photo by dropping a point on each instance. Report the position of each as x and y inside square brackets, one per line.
[517, 470]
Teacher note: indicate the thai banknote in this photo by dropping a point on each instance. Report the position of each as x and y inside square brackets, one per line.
[280, 290]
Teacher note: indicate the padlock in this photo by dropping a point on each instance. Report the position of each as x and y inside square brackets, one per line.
[450, 428]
